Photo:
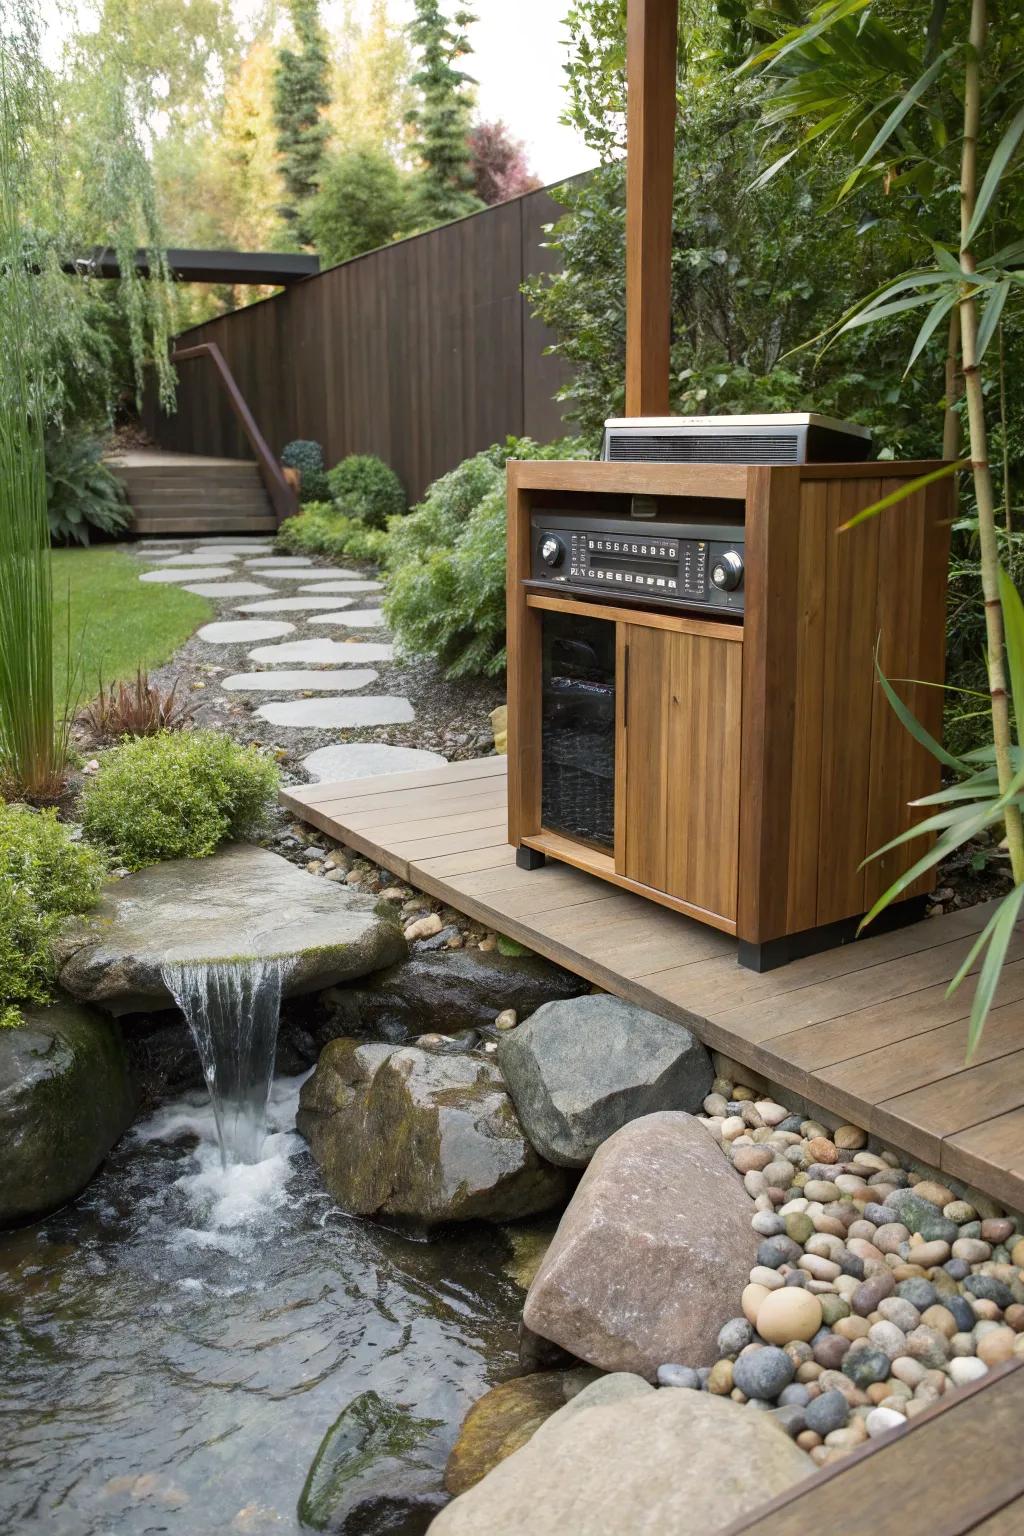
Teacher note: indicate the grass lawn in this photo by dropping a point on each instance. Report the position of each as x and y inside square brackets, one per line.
[117, 622]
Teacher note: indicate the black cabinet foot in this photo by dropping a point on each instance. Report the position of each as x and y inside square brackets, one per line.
[530, 858]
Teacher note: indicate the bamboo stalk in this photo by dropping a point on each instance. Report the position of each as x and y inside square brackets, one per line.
[954, 388]
[979, 440]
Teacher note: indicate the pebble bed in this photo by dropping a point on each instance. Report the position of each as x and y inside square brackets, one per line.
[876, 1289]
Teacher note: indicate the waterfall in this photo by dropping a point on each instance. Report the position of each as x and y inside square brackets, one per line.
[232, 1009]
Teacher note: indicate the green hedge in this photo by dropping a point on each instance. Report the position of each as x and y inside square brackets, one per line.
[45, 877]
[364, 487]
[176, 796]
[321, 530]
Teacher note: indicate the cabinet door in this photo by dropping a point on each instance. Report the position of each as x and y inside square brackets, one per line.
[680, 763]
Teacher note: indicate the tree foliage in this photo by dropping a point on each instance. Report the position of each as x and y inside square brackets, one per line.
[301, 94]
[443, 187]
[361, 204]
[500, 166]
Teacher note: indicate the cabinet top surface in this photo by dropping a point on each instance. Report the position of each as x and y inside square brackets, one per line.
[726, 480]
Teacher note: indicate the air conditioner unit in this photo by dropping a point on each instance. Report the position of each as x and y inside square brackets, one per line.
[793, 438]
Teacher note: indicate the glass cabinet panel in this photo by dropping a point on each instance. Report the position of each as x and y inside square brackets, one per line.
[578, 728]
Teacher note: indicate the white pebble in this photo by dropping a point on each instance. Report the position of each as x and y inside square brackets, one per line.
[771, 1113]
[965, 1368]
[769, 1278]
[880, 1420]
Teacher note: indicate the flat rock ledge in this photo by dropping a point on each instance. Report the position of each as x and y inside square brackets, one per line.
[655, 1238]
[582, 1068]
[622, 1457]
[243, 903]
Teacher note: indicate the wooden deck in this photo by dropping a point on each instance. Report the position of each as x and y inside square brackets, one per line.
[954, 1470]
[865, 1031]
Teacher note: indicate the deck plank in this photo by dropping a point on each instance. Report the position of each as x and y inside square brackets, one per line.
[866, 1031]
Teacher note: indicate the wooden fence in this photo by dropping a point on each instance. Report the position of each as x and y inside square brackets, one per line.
[423, 352]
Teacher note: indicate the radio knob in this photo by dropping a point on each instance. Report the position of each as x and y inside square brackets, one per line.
[552, 550]
[727, 571]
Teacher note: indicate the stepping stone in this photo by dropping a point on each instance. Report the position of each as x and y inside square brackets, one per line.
[362, 618]
[199, 557]
[342, 586]
[282, 562]
[321, 652]
[245, 546]
[228, 589]
[295, 604]
[325, 713]
[364, 759]
[286, 682]
[242, 631]
[204, 573]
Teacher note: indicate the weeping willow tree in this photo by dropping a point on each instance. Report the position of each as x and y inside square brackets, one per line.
[73, 175]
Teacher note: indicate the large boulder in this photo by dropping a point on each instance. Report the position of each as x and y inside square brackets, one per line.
[638, 1461]
[581, 1069]
[424, 1138]
[65, 1098]
[370, 1473]
[446, 991]
[505, 1418]
[656, 1240]
[243, 903]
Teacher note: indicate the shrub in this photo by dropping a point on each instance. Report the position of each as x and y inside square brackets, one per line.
[321, 530]
[446, 594]
[81, 492]
[364, 487]
[44, 878]
[308, 458]
[176, 796]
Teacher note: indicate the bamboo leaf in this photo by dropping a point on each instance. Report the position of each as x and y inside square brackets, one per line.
[912, 724]
[799, 37]
[935, 855]
[905, 490]
[766, 175]
[994, 175]
[967, 964]
[931, 321]
[992, 967]
[990, 316]
[1013, 625]
[899, 112]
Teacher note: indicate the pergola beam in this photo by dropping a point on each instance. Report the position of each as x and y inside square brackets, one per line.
[262, 268]
[651, 45]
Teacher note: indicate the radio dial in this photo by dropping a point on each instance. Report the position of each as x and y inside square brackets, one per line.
[727, 571]
[552, 550]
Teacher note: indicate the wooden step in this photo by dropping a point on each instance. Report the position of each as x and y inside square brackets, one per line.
[197, 502]
[167, 480]
[204, 523]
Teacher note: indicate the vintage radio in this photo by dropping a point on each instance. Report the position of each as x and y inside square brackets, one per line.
[796, 437]
[694, 709]
[680, 565]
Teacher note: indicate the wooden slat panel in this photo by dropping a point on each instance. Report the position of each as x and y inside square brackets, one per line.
[808, 664]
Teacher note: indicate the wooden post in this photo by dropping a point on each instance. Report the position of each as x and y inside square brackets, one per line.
[651, 45]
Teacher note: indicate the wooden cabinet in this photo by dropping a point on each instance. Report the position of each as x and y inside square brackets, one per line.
[758, 764]
[679, 760]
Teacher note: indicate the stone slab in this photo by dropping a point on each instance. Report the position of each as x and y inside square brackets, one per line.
[282, 562]
[360, 618]
[365, 759]
[344, 586]
[227, 588]
[284, 681]
[199, 573]
[200, 557]
[240, 631]
[322, 652]
[295, 604]
[323, 714]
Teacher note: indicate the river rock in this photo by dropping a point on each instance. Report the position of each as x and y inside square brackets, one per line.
[656, 1238]
[370, 1473]
[65, 1099]
[447, 991]
[580, 1069]
[505, 1418]
[650, 1462]
[243, 903]
[424, 1138]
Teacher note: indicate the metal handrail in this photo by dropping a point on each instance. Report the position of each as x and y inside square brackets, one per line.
[282, 497]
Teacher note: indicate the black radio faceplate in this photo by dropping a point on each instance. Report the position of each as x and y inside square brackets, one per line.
[685, 564]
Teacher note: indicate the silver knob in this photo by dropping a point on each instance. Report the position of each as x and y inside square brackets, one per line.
[727, 571]
[552, 550]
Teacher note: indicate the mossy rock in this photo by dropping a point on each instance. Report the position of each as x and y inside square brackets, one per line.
[369, 1473]
[506, 1418]
[65, 1099]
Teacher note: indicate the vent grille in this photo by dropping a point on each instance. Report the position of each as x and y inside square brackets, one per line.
[705, 448]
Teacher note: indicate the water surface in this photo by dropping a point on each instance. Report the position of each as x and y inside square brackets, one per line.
[174, 1345]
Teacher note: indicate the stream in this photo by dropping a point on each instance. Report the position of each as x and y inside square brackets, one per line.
[175, 1343]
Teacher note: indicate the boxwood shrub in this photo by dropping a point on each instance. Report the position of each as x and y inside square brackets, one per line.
[308, 458]
[364, 487]
[45, 877]
[176, 796]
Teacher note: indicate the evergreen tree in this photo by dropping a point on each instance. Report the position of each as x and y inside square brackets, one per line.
[301, 93]
[443, 188]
